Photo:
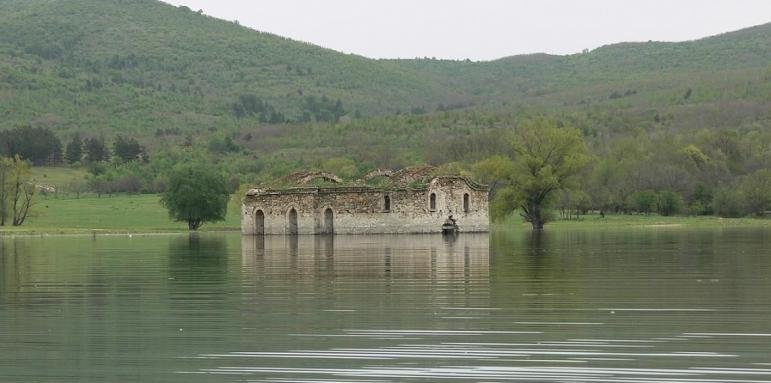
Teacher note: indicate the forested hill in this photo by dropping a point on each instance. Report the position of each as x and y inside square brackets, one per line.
[715, 64]
[136, 66]
[142, 63]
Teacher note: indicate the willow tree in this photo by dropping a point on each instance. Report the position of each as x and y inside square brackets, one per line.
[547, 157]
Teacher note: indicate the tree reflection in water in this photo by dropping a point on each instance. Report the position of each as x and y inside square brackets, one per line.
[198, 258]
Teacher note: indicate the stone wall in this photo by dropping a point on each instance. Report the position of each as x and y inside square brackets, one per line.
[361, 210]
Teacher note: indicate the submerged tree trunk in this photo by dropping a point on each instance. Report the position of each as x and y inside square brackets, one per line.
[533, 213]
[194, 224]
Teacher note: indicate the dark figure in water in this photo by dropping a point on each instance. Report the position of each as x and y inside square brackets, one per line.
[450, 226]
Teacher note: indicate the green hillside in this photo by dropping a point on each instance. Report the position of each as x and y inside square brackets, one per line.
[136, 66]
[739, 59]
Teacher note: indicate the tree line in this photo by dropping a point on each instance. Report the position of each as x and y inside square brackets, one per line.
[319, 109]
[551, 168]
[41, 146]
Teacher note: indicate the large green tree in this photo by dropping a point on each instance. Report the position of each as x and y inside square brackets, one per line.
[197, 194]
[547, 157]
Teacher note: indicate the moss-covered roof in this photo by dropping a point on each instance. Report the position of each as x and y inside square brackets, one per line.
[413, 178]
[322, 185]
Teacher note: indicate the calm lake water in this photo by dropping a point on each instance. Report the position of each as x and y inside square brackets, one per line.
[629, 305]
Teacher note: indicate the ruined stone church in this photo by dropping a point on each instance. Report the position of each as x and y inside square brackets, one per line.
[413, 202]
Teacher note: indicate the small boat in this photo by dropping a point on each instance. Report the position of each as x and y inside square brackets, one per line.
[450, 227]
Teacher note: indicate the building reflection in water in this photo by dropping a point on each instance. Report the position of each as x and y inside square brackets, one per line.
[465, 257]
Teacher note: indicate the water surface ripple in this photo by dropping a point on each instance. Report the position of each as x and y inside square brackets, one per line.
[626, 305]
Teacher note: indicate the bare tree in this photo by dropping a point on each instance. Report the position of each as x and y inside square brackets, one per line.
[6, 166]
[21, 190]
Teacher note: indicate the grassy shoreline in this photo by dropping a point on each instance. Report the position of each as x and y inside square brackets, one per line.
[34, 232]
[640, 221]
[143, 214]
[119, 214]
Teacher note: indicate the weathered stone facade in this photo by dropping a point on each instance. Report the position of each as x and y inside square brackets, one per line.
[365, 210]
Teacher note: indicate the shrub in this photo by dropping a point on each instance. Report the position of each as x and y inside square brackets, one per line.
[727, 203]
[669, 203]
[644, 201]
[755, 192]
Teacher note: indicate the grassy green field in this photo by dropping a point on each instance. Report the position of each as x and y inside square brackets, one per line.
[144, 214]
[58, 176]
[594, 221]
[135, 213]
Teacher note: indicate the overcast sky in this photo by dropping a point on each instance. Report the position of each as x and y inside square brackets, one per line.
[484, 29]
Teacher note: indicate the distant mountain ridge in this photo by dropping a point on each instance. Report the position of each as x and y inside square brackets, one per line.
[135, 66]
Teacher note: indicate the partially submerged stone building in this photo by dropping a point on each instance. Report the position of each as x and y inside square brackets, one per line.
[413, 208]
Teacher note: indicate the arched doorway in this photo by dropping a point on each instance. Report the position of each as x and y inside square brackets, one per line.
[292, 218]
[329, 222]
[466, 203]
[432, 202]
[259, 222]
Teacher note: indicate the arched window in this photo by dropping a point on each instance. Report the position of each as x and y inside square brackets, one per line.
[432, 202]
[465, 203]
[259, 222]
[387, 203]
[292, 224]
[329, 221]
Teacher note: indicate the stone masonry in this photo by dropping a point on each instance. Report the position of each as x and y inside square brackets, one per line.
[366, 210]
